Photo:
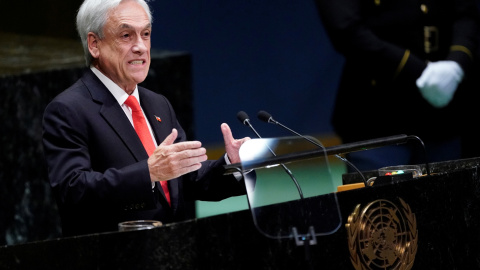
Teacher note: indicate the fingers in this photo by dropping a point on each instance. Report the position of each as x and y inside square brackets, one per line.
[243, 140]
[178, 164]
[184, 170]
[227, 133]
[166, 150]
[171, 160]
[167, 146]
[188, 156]
[168, 169]
[232, 146]
[170, 138]
[181, 165]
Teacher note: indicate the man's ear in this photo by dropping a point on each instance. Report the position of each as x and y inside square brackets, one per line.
[92, 41]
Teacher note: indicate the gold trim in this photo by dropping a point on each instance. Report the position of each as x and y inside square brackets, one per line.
[350, 186]
[402, 64]
[424, 8]
[461, 48]
[430, 39]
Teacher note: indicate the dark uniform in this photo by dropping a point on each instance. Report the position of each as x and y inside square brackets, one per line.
[386, 45]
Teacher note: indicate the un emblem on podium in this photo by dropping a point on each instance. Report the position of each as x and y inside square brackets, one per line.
[383, 236]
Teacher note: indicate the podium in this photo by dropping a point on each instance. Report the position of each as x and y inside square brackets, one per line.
[441, 230]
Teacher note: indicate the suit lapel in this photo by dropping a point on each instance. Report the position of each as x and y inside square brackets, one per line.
[154, 116]
[115, 116]
[112, 113]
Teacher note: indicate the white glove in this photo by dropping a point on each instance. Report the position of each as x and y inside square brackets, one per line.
[438, 82]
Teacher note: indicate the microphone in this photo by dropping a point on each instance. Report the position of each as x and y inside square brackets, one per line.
[266, 117]
[244, 119]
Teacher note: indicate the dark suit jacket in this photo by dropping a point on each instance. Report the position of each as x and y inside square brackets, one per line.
[98, 167]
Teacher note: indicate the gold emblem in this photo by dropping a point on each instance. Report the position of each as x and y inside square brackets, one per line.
[382, 236]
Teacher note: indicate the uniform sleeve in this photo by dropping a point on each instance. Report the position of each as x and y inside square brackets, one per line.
[348, 24]
[465, 34]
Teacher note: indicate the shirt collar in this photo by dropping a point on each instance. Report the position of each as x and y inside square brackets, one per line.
[118, 93]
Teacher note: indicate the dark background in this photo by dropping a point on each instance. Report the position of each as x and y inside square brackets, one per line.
[242, 55]
[247, 55]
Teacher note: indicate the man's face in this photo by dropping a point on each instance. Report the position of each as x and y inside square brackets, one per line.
[123, 54]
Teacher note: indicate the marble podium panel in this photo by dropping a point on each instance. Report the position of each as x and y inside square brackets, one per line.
[442, 231]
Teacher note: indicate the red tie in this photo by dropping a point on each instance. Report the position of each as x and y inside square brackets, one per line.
[140, 125]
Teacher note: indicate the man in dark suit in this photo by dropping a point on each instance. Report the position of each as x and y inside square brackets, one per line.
[100, 171]
[408, 70]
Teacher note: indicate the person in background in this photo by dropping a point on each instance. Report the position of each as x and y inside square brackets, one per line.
[107, 165]
[409, 69]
